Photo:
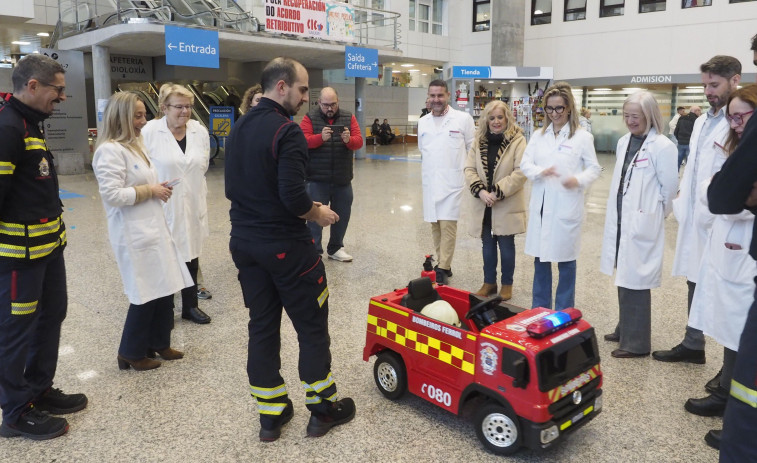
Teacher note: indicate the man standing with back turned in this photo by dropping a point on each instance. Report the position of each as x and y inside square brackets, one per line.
[329, 171]
[266, 158]
[33, 294]
[444, 138]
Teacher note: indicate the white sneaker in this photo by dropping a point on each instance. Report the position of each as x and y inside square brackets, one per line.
[341, 256]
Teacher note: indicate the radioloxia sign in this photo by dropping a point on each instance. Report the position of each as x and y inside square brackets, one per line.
[311, 18]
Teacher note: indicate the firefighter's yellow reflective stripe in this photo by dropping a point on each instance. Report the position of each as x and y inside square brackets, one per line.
[511, 344]
[271, 408]
[568, 423]
[41, 251]
[392, 309]
[44, 228]
[422, 343]
[8, 250]
[743, 393]
[268, 392]
[35, 144]
[7, 167]
[14, 229]
[323, 296]
[319, 386]
[23, 308]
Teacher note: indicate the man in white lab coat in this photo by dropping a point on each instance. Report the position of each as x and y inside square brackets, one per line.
[720, 76]
[444, 137]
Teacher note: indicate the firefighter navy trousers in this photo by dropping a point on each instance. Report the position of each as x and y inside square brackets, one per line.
[288, 273]
[740, 420]
[33, 303]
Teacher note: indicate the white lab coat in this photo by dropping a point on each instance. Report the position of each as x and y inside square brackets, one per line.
[694, 222]
[146, 255]
[725, 288]
[187, 211]
[556, 213]
[443, 154]
[650, 185]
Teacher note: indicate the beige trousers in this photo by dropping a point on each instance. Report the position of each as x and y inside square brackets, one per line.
[444, 234]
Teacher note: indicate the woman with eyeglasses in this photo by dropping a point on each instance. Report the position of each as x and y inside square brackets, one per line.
[561, 162]
[147, 257]
[180, 149]
[644, 183]
[725, 284]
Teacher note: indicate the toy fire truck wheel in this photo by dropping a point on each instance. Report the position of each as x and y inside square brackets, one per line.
[497, 428]
[391, 377]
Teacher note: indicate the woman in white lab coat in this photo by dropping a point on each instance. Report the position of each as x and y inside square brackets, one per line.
[561, 162]
[643, 186]
[725, 284]
[179, 147]
[146, 255]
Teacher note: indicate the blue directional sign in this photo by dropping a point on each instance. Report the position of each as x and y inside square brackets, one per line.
[361, 62]
[474, 72]
[191, 47]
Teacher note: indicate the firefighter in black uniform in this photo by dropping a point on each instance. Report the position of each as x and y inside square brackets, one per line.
[33, 297]
[266, 158]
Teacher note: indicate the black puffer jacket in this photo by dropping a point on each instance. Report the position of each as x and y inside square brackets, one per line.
[332, 161]
[684, 128]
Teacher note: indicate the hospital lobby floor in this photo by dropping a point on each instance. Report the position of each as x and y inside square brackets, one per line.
[199, 409]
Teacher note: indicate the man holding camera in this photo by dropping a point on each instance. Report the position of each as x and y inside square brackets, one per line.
[332, 135]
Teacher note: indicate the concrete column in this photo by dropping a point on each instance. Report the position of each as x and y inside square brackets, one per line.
[507, 26]
[101, 75]
[360, 112]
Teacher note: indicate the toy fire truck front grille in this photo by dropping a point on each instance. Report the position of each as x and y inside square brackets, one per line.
[565, 406]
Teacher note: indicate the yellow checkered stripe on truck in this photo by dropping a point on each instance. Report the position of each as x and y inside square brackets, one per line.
[560, 391]
[419, 342]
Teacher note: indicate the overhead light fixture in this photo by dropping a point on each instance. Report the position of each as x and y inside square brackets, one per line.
[632, 89]
[491, 81]
[512, 81]
[396, 72]
[424, 74]
[35, 51]
[43, 34]
[407, 65]
[394, 64]
[18, 42]
[602, 89]
[414, 70]
[477, 80]
[695, 86]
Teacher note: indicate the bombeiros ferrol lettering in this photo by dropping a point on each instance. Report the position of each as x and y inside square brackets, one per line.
[437, 327]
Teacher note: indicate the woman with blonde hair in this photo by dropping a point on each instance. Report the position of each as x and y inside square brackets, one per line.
[585, 119]
[561, 162]
[642, 189]
[180, 149]
[251, 98]
[145, 252]
[497, 201]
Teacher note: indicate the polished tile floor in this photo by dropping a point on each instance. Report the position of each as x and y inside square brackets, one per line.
[199, 410]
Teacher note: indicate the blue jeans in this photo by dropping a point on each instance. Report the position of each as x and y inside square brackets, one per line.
[339, 199]
[507, 255]
[566, 285]
[683, 153]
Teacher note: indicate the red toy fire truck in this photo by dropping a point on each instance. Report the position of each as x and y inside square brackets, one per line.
[531, 376]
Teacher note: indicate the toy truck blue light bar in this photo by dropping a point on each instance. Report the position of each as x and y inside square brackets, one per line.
[553, 322]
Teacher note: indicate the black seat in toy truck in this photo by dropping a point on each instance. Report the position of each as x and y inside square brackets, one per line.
[420, 292]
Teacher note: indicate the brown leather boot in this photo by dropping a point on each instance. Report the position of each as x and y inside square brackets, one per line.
[506, 292]
[139, 365]
[170, 354]
[487, 290]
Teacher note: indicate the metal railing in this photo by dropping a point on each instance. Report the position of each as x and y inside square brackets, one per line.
[375, 28]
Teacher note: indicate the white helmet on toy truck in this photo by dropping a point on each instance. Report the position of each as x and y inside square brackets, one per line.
[442, 310]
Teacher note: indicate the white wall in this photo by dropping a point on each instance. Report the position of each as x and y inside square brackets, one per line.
[18, 10]
[674, 41]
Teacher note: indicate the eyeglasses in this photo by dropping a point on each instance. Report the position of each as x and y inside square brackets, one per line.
[61, 89]
[738, 118]
[556, 109]
[180, 107]
[330, 105]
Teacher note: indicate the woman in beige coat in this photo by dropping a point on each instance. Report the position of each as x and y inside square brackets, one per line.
[497, 202]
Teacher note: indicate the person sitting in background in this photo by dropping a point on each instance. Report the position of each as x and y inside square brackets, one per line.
[386, 132]
[497, 200]
[585, 119]
[147, 258]
[251, 98]
[376, 131]
[427, 109]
